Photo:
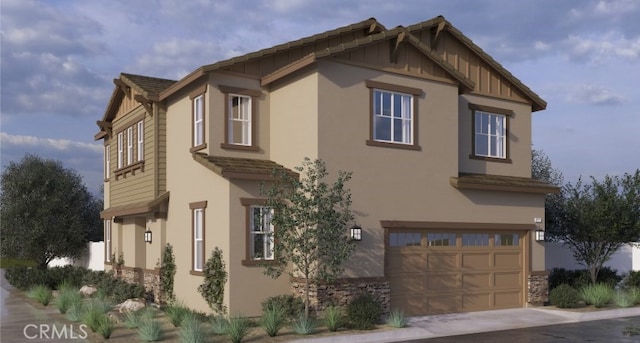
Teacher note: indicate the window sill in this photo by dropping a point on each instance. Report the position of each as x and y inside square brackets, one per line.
[130, 168]
[198, 147]
[394, 145]
[258, 263]
[196, 273]
[239, 147]
[490, 159]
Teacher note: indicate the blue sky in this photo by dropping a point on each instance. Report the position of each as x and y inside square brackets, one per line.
[59, 58]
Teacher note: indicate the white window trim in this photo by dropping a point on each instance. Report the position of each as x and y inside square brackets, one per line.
[141, 140]
[130, 145]
[107, 240]
[268, 244]
[120, 149]
[198, 120]
[407, 131]
[246, 132]
[107, 161]
[501, 149]
[198, 227]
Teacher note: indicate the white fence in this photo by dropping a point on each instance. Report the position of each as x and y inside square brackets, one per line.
[624, 260]
[93, 259]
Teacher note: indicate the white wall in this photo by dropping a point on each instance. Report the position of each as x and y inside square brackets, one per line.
[93, 259]
[624, 260]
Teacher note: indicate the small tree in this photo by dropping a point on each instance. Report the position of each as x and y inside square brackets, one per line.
[167, 273]
[595, 220]
[46, 211]
[310, 217]
[215, 277]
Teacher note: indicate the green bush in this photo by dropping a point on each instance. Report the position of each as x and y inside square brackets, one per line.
[40, 293]
[219, 325]
[215, 277]
[363, 312]
[176, 313]
[237, 329]
[67, 297]
[125, 290]
[75, 312]
[564, 296]
[23, 278]
[581, 277]
[149, 330]
[273, 319]
[333, 318]
[191, 330]
[292, 305]
[397, 319]
[304, 325]
[631, 280]
[105, 326]
[598, 295]
[624, 299]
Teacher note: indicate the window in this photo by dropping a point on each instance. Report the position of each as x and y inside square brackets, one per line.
[129, 145]
[107, 161]
[120, 149]
[261, 233]
[507, 240]
[490, 135]
[393, 115]
[441, 239]
[140, 140]
[107, 241]
[239, 125]
[198, 120]
[197, 231]
[404, 239]
[475, 239]
[490, 132]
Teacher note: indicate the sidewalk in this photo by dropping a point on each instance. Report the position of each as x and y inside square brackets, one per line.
[476, 322]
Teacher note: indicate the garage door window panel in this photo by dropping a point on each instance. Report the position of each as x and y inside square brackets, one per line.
[475, 240]
[404, 239]
[507, 240]
[441, 239]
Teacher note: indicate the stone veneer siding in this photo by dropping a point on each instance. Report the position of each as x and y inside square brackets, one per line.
[342, 291]
[538, 286]
[148, 278]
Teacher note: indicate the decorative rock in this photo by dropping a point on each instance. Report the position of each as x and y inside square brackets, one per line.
[88, 290]
[131, 305]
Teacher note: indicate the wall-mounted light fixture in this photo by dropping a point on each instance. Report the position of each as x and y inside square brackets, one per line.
[147, 236]
[356, 233]
[539, 235]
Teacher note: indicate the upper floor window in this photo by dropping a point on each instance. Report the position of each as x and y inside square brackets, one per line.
[393, 115]
[140, 134]
[129, 145]
[120, 149]
[107, 161]
[490, 132]
[198, 118]
[239, 125]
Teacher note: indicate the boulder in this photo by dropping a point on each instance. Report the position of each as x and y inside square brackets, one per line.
[88, 291]
[131, 305]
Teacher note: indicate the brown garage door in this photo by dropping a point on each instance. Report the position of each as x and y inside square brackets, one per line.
[434, 271]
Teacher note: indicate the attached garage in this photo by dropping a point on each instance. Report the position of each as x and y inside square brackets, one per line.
[435, 271]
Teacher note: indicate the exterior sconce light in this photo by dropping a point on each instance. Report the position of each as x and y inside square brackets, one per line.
[147, 236]
[356, 233]
[539, 235]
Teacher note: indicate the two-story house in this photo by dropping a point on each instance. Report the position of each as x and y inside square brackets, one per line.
[436, 133]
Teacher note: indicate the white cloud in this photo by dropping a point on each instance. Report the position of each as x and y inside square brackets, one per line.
[47, 143]
[596, 95]
[598, 49]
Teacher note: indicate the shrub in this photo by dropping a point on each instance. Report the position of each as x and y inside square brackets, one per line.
[237, 329]
[333, 318]
[581, 277]
[191, 330]
[176, 313]
[40, 293]
[291, 305]
[149, 330]
[23, 278]
[564, 296]
[623, 299]
[93, 311]
[133, 319]
[631, 280]
[167, 273]
[363, 312]
[75, 312]
[304, 325]
[219, 325]
[215, 277]
[273, 320]
[397, 319]
[634, 292]
[105, 326]
[598, 295]
[67, 296]
[125, 290]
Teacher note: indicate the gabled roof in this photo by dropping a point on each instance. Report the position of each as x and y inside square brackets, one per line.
[538, 102]
[241, 168]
